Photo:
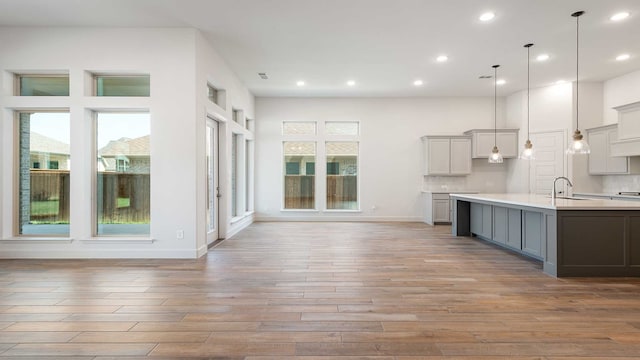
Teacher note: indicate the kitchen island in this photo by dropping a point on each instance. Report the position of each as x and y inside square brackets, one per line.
[571, 236]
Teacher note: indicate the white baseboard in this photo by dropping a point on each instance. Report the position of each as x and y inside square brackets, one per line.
[239, 225]
[30, 253]
[341, 218]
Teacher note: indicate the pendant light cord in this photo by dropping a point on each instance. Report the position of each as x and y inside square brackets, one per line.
[495, 105]
[577, 64]
[528, 89]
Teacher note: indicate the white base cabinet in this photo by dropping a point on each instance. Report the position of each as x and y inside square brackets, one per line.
[437, 208]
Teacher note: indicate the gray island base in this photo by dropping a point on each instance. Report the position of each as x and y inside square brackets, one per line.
[572, 237]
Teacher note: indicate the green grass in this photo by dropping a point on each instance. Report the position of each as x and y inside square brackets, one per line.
[123, 202]
[44, 208]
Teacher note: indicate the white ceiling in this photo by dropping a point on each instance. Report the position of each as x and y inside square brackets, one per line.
[384, 45]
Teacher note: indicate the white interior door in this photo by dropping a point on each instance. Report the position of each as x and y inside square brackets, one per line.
[550, 162]
[213, 184]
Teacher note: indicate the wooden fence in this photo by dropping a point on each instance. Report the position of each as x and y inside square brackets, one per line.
[342, 191]
[299, 191]
[49, 195]
[122, 198]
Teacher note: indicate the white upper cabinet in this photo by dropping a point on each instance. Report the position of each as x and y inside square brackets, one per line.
[484, 139]
[628, 142]
[446, 155]
[600, 160]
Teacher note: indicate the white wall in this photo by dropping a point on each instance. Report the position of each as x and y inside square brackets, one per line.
[390, 150]
[551, 108]
[619, 91]
[177, 140]
[616, 92]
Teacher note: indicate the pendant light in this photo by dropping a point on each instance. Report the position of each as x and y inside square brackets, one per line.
[527, 153]
[578, 146]
[495, 157]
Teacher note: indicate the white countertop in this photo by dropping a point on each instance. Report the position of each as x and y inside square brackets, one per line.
[449, 191]
[544, 202]
[616, 195]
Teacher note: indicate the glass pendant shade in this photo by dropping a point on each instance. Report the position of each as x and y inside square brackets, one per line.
[496, 156]
[527, 153]
[578, 146]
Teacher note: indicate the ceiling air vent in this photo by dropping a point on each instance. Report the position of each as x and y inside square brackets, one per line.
[263, 76]
[485, 77]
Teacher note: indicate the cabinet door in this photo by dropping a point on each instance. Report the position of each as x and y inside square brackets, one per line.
[500, 224]
[508, 144]
[438, 154]
[476, 218]
[598, 141]
[532, 233]
[487, 221]
[514, 233]
[460, 156]
[441, 211]
[618, 164]
[483, 144]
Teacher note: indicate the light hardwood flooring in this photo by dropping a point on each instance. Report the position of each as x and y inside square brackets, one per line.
[387, 291]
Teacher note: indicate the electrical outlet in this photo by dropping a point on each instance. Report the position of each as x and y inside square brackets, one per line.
[180, 234]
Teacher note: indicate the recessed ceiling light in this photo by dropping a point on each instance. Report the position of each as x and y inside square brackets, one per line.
[619, 16]
[300, 83]
[418, 82]
[501, 82]
[542, 57]
[351, 83]
[487, 16]
[442, 58]
[623, 57]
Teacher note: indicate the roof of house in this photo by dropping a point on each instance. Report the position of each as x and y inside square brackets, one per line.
[127, 147]
[307, 148]
[45, 144]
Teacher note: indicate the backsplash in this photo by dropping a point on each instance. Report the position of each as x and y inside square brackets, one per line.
[489, 178]
[617, 183]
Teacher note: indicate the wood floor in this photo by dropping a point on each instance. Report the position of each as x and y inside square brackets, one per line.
[388, 291]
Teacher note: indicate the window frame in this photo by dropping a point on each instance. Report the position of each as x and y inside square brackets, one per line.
[283, 174]
[94, 84]
[17, 85]
[15, 208]
[94, 176]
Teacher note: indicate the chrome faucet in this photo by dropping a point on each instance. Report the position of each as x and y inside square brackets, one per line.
[553, 190]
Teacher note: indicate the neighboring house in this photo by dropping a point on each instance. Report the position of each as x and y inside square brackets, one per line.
[47, 153]
[125, 155]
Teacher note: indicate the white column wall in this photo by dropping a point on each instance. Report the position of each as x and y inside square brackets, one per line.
[177, 132]
[212, 69]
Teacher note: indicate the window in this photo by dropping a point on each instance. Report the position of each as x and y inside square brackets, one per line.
[247, 175]
[217, 96]
[238, 116]
[298, 128]
[235, 140]
[250, 124]
[43, 85]
[123, 173]
[299, 187]
[122, 85]
[44, 160]
[342, 175]
[341, 128]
